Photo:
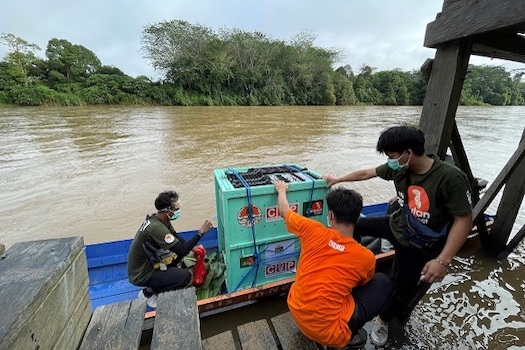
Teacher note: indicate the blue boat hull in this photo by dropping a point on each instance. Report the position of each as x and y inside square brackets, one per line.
[108, 281]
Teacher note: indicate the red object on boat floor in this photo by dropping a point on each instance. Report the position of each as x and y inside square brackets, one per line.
[199, 270]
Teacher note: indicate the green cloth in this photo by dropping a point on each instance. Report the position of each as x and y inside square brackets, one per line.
[139, 266]
[433, 198]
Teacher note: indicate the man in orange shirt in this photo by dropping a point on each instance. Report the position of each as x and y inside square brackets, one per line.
[335, 290]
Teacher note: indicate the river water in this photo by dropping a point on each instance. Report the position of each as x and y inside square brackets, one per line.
[95, 172]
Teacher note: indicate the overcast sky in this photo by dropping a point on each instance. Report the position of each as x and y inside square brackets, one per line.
[384, 34]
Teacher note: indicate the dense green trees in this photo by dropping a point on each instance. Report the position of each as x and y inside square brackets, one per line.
[228, 67]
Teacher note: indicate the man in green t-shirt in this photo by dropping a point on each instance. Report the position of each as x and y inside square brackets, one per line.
[431, 223]
[155, 238]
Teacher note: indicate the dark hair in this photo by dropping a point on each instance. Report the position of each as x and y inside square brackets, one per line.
[165, 200]
[400, 138]
[345, 204]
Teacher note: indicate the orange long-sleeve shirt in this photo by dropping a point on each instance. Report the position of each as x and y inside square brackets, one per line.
[330, 266]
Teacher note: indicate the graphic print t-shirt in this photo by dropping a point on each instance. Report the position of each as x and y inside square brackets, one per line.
[433, 198]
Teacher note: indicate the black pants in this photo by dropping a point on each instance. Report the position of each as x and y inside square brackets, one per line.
[171, 279]
[406, 270]
[369, 299]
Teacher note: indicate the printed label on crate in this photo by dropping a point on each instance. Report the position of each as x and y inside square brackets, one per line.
[244, 219]
[278, 250]
[316, 209]
[247, 261]
[272, 213]
[280, 268]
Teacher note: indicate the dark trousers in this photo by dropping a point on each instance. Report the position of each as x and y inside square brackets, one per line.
[369, 299]
[171, 279]
[407, 289]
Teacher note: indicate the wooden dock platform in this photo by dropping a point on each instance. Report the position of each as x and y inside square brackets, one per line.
[45, 303]
[281, 333]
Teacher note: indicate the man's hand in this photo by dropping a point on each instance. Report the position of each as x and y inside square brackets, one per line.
[282, 201]
[433, 271]
[280, 186]
[205, 227]
[330, 180]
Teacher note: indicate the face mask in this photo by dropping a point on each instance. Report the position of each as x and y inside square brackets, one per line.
[394, 163]
[175, 215]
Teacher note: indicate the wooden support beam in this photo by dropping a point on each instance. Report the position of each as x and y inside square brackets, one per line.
[447, 3]
[426, 68]
[442, 97]
[462, 19]
[500, 45]
[460, 158]
[500, 180]
[459, 154]
[509, 206]
[504, 253]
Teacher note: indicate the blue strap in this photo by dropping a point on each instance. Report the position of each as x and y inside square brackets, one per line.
[280, 258]
[252, 224]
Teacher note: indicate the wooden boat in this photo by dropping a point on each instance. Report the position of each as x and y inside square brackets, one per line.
[108, 282]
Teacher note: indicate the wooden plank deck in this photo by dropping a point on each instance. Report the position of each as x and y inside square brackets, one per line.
[177, 321]
[279, 333]
[55, 278]
[115, 326]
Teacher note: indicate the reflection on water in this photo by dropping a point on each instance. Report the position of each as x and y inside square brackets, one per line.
[95, 171]
[478, 306]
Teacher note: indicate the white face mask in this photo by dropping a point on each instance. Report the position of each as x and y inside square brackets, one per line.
[328, 220]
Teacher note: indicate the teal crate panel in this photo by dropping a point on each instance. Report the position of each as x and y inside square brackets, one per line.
[276, 260]
[233, 222]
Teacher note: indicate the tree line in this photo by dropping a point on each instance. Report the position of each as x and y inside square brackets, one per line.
[200, 66]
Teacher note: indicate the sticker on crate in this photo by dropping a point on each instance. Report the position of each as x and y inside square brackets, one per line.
[243, 217]
[247, 261]
[280, 257]
[280, 268]
[272, 213]
[316, 208]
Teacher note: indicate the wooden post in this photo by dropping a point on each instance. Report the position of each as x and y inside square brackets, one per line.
[505, 174]
[443, 92]
[508, 207]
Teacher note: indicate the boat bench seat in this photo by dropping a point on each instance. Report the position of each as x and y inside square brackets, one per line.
[116, 326]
